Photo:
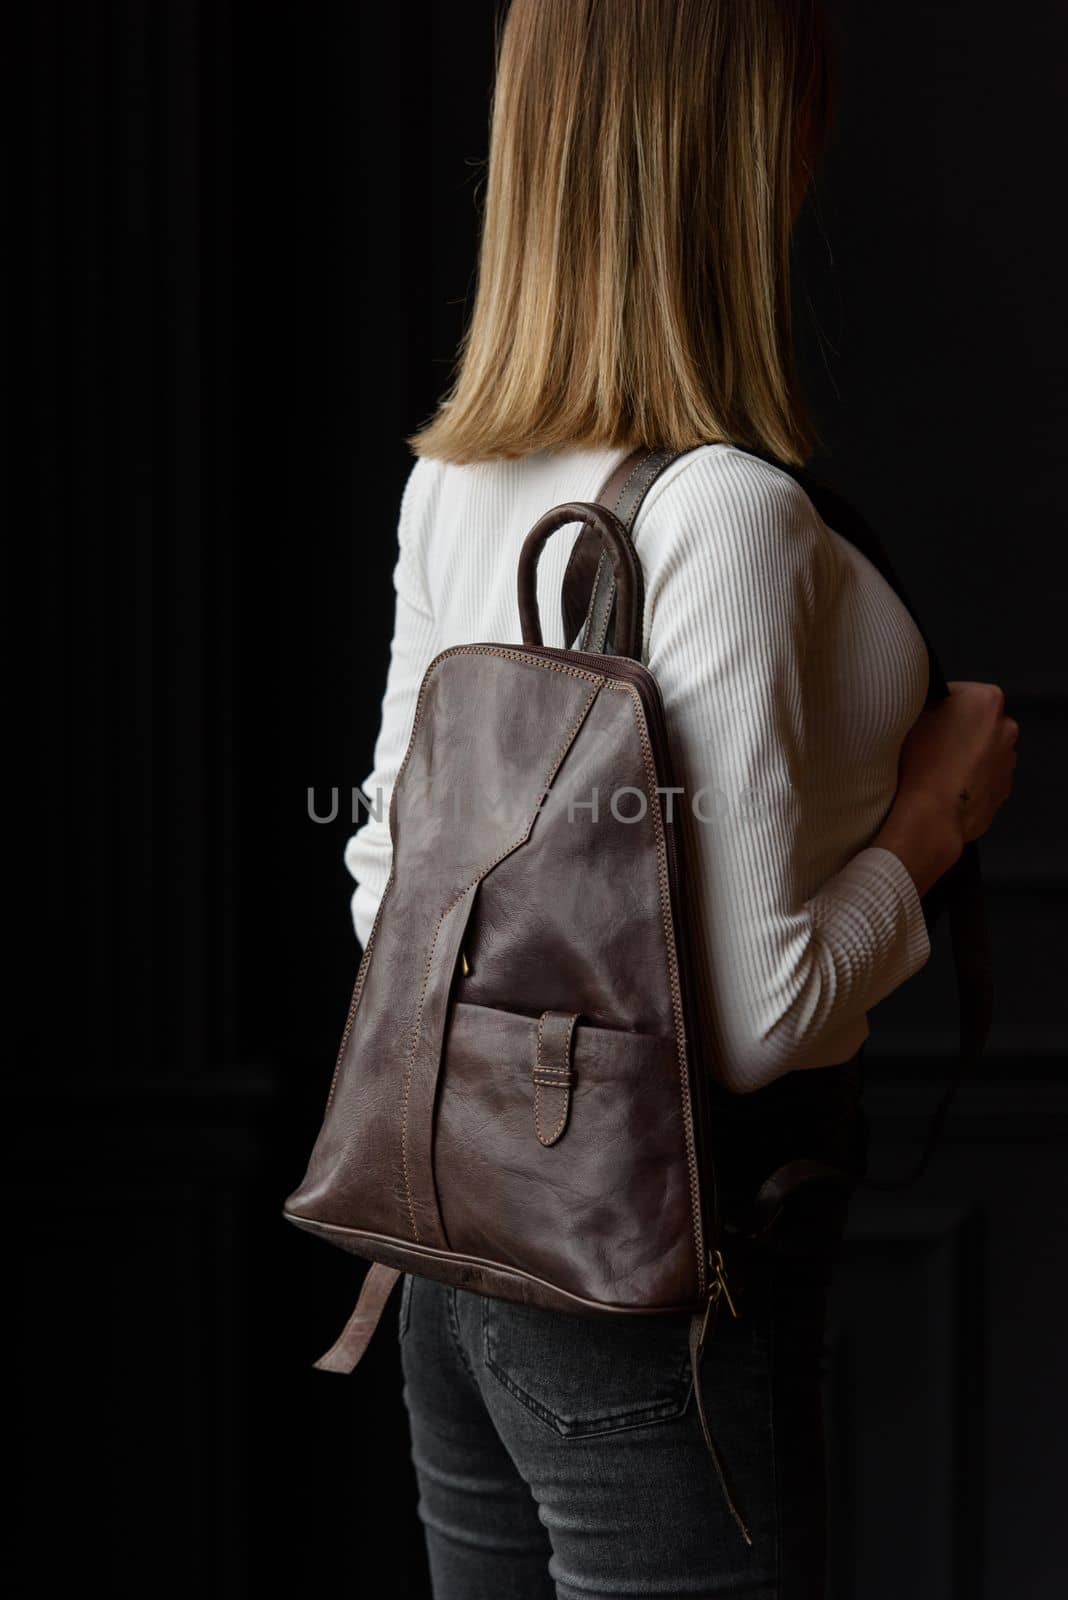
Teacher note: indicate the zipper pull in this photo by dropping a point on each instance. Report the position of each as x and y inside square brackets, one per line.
[718, 1289]
[719, 1281]
[711, 1303]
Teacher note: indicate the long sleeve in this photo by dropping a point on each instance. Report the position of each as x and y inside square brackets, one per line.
[732, 618]
[368, 852]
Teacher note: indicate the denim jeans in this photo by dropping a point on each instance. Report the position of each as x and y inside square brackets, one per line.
[562, 1455]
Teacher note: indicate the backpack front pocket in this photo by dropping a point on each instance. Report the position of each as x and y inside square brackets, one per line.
[559, 1148]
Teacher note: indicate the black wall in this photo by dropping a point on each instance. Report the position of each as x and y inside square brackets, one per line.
[244, 234]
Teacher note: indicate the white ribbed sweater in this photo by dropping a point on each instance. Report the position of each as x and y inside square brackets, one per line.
[790, 674]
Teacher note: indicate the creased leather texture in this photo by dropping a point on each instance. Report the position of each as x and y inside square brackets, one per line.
[565, 921]
[604, 1211]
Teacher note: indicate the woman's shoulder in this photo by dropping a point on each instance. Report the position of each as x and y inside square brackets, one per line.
[724, 479]
[418, 497]
[424, 474]
[736, 514]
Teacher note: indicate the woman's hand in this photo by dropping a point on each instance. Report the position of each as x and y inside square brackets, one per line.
[954, 772]
[962, 751]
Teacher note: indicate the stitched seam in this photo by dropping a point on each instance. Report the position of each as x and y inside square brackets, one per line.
[578, 541]
[607, 1422]
[416, 1031]
[443, 655]
[673, 973]
[651, 466]
[639, 466]
[540, 1067]
[410, 1063]
[585, 640]
[453, 1316]
[510, 654]
[586, 633]
[515, 1277]
[659, 1411]
[605, 616]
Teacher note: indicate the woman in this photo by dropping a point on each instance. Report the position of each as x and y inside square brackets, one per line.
[647, 161]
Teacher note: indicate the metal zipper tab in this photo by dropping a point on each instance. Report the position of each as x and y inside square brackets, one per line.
[718, 1277]
[718, 1289]
[699, 1327]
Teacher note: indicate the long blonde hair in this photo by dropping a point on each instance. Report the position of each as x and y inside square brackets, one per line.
[633, 281]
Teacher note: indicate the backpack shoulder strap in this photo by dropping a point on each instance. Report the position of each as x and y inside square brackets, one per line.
[587, 602]
[588, 593]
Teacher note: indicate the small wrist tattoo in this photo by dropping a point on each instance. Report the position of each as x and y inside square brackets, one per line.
[964, 797]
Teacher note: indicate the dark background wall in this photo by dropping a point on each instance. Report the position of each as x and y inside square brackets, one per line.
[244, 236]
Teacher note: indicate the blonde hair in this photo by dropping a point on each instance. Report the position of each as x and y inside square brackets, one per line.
[633, 281]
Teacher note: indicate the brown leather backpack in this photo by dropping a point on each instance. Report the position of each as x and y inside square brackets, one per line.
[521, 1102]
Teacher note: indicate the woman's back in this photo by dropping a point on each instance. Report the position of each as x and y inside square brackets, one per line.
[790, 674]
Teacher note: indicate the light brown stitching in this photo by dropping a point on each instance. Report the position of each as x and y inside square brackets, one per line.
[652, 465]
[541, 1067]
[569, 739]
[637, 467]
[443, 655]
[510, 654]
[410, 1062]
[673, 970]
[585, 640]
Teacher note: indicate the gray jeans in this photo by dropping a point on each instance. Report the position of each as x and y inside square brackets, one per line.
[561, 1455]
